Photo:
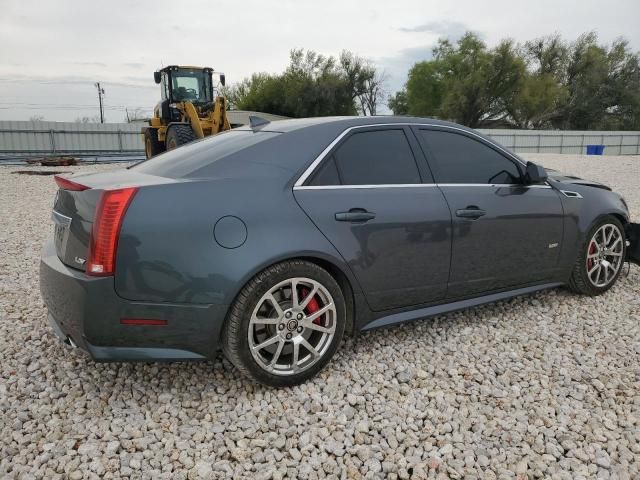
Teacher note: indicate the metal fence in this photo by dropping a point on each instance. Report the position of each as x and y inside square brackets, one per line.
[109, 141]
[21, 140]
[567, 141]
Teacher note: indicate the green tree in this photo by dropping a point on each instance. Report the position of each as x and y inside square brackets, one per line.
[537, 102]
[545, 83]
[312, 85]
[603, 85]
[466, 83]
[547, 55]
[622, 89]
[425, 89]
[541, 95]
[398, 103]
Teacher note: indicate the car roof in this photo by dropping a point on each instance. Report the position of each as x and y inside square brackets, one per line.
[290, 125]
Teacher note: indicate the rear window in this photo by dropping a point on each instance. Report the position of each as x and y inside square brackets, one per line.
[189, 159]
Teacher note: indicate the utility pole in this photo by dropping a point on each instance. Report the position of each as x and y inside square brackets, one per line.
[100, 93]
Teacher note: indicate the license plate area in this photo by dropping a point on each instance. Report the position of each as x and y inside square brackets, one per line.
[61, 232]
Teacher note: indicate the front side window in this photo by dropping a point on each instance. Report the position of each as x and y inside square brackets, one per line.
[190, 85]
[377, 157]
[456, 158]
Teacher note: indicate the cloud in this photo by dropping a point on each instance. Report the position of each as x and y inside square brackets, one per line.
[398, 65]
[90, 64]
[134, 65]
[443, 28]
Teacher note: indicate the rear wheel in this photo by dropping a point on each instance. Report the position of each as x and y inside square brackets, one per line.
[178, 135]
[285, 324]
[152, 146]
[600, 260]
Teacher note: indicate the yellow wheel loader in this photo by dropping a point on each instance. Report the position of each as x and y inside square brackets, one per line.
[187, 111]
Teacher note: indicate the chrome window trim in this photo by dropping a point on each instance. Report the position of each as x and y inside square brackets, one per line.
[386, 185]
[414, 185]
[546, 185]
[309, 170]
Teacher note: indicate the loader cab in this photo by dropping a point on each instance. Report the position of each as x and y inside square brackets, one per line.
[184, 84]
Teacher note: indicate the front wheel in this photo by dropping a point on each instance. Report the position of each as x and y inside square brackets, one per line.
[600, 259]
[152, 145]
[179, 134]
[286, 324]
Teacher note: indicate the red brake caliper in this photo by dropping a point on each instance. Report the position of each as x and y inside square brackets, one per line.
[592, 250]
[312, 306]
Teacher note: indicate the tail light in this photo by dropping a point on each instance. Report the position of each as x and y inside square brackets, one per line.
[66, 184]
[103, 245]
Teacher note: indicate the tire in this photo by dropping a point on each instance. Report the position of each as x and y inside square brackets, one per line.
[605, 274]
[178, 135]
[277, 364]
[152, 146]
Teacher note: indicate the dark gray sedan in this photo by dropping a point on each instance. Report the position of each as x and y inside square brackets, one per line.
[273, 241]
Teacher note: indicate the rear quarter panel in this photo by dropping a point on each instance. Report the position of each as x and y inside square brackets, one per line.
[167, 251]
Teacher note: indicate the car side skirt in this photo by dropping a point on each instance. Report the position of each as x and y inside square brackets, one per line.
[408, 316]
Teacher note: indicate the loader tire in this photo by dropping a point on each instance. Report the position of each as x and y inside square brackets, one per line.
[178, 135]
[152, 146]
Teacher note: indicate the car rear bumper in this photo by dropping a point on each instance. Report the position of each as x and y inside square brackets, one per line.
[85, 311]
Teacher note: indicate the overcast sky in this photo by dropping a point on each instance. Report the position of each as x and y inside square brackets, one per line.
[52, 52]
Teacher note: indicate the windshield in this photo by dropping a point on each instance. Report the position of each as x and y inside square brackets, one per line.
[193, 159]
[191, 85]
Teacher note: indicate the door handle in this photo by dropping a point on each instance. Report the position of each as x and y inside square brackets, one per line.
[471, 211]
[355, 215]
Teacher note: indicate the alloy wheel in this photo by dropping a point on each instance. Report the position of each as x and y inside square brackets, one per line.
[292, 326]
[604, 255]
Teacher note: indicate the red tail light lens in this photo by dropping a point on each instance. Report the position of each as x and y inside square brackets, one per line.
[103, 245]
[66, 184]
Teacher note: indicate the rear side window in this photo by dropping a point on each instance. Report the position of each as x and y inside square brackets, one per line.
[184, 161]
[377, 157]
[326, 174]
[457, 158]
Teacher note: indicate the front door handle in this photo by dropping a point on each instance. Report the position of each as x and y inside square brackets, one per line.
[355, 215]
[471, 211]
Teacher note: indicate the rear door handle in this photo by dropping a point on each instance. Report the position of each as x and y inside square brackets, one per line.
[355, 215]
[472, 212]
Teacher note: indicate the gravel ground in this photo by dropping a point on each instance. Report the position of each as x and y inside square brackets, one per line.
[544, 386]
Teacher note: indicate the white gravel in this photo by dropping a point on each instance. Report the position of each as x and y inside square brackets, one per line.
[545, 386]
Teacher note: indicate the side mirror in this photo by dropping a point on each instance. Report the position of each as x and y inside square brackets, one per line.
[156, 77]
[535, 173]
[222, 79]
